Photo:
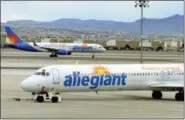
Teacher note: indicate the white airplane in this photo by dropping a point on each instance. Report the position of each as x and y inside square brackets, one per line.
[48, 82]
[55, 48]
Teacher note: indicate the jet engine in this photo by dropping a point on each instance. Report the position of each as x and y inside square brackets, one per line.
[63, 52]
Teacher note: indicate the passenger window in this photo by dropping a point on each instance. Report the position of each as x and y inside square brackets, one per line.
[173, 73]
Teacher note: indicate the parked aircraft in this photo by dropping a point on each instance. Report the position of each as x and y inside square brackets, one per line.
[48, 82]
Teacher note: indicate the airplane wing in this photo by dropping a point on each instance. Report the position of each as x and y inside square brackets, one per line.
[46, 48]
[167, 86]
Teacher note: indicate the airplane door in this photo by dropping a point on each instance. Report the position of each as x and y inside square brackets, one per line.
[56, 76]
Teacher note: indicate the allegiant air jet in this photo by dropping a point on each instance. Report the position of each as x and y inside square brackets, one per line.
[55, 48]
[48, 82]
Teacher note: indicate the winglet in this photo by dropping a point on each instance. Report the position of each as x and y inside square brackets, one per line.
[34, 43]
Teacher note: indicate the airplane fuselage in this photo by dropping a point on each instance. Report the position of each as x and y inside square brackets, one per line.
[70, 78]
[54, 48]
[73, 47]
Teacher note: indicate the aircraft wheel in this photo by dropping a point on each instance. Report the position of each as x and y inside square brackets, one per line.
[54, 99]
[69, 53]
[53, 55]
[157, 95]
[179, 96]
[93, 56]
[40, 99]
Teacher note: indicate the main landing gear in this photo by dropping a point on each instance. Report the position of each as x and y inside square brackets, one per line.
[178, 96]
[157, 94]
[53, 97]
[93, 56]
[53, 55]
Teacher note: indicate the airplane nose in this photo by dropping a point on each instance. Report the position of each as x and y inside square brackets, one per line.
[24, 85]
[28, 85]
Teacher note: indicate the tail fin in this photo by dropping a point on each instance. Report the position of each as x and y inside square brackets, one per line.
[13, 38]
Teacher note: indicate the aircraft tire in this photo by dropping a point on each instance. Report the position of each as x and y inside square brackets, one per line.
[40, 99]
[157, 95]
[53, 55]
[69, 53]
[179, 96]
[54, 99]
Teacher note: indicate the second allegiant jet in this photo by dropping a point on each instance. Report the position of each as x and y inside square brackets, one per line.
[54, 48]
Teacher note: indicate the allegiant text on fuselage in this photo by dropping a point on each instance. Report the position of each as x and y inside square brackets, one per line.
[93, 81]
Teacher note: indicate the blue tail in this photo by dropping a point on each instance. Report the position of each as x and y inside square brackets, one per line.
[14, 39]
[16, 42]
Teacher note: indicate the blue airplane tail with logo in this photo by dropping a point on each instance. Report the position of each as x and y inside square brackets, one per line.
[16, 42]
[13, 38]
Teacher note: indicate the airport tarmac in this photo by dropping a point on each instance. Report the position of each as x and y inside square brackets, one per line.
[36, 64]
[121, 104]
[112, 56]
[108, 52]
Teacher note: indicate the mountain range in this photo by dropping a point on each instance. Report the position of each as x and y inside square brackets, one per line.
[169, 25]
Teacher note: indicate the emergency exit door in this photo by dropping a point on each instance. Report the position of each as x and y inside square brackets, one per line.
[56, 76]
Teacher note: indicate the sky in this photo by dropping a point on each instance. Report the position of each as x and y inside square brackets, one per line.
[123, 11]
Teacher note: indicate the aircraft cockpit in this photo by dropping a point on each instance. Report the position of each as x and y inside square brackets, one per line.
[42, 73]
[100, 47]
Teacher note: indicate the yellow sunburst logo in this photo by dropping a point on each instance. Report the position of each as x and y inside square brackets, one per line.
[84, 45]
[100, 70]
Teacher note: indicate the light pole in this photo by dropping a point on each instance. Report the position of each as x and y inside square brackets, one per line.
[141, 4]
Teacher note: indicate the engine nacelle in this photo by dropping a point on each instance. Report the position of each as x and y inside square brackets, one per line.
[63, 52]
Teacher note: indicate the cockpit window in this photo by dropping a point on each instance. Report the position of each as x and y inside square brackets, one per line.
[37, 73]
[43, 73]
[47, 74]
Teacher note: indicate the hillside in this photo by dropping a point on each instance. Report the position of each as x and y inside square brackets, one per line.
[169, 25]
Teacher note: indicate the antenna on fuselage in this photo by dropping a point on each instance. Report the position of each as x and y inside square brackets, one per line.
[77, 62]
[96, 92]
